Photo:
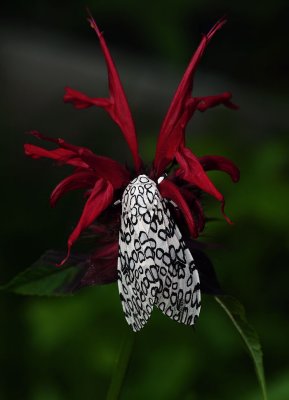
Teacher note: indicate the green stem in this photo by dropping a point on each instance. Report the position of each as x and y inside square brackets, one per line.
[121, 366]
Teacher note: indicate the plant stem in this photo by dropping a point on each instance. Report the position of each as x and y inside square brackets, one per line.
[121, 366]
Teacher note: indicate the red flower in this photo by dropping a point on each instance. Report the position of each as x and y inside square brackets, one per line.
[105, 179]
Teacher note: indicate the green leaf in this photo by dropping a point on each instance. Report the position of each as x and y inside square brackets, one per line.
[44, 278]
[236, 313]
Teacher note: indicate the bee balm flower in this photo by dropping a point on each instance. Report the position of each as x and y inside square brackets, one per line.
[138, 214]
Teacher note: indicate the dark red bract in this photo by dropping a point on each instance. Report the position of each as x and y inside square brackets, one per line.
[104, 179]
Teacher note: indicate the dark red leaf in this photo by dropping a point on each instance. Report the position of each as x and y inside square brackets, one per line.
[109, 250]
[102, 272]
[102, 266]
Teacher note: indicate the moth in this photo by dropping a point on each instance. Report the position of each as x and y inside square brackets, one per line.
[155, 267]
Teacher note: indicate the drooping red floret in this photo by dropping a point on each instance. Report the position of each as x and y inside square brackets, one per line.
[101, 175]
[103, 167]
[171, 140]
[63, 156]
[100, 198]
[191, 170]
[183, 106]
[77, 180]
[116, 105]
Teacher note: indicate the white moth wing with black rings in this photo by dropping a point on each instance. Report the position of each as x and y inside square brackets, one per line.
[154, 265]
[179, 295]
[138, 280]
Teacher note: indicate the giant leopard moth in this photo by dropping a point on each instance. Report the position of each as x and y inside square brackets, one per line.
[146, 252]
[155, 268]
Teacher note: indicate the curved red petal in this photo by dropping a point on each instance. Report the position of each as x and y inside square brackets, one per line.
[78, 180]
[100, 198]
[170, 191]
[192, 171]
[210, 163]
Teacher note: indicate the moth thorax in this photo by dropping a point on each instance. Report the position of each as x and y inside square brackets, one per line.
[139, 195]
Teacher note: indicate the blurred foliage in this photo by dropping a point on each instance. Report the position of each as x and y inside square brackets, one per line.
[260, 32]
[65, 348]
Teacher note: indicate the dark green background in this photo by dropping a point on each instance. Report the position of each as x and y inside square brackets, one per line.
[65, 348]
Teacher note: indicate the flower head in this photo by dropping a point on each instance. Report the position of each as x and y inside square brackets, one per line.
[105, 180]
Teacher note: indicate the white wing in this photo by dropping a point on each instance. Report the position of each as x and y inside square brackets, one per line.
[137, 274]
[179, 295]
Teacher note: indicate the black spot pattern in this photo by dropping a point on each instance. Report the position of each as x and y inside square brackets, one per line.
[154, 265]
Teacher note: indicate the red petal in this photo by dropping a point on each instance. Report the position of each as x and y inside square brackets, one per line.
[62, 155]
[117, 105]
[170, 191]
[219, 163]
[170, 138]
[81, 100]
[212, 101]
[99, 199]
[103, 167]
[192, 171]
[78, 180]
[195, 205]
